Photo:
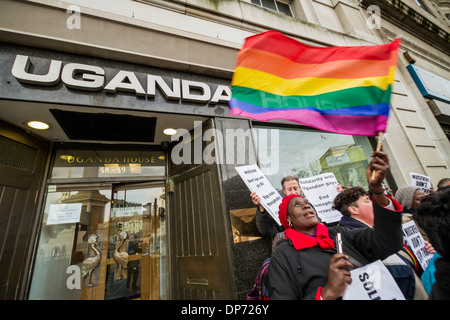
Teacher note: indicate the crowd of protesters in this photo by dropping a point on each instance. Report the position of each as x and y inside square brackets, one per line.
[305, 263]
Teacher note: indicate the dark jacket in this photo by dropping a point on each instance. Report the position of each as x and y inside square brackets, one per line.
[351, 223]
[299, 274]
[266, 224]
[402, 270]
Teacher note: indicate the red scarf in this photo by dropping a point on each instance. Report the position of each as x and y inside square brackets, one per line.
[303, 241]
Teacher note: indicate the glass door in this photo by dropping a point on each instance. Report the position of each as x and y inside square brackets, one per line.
[102, 241]
[70, 260]
[137, 264]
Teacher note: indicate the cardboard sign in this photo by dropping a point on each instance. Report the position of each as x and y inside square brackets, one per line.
[321, 190]
[64, 213]
[372, 282]
[421, 181]
[257, 182]
[414, 240]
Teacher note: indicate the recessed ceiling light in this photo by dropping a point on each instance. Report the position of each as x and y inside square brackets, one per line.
[38, 125]
[169, 131]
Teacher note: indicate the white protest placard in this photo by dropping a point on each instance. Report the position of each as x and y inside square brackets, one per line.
[257, 182]
[372, 282]
[414, 240]
[64, 213]
[320, 191]
[421, 181]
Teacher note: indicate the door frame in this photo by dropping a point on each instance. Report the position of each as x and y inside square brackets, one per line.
[199, 274]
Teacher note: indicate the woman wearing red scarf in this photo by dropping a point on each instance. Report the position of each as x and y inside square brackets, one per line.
[306, 265]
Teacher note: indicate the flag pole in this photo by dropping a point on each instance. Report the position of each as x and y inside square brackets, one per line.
[380, 137]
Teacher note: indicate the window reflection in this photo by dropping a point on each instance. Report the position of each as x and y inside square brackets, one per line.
[92, 247]
[137, 265]
[63, 244]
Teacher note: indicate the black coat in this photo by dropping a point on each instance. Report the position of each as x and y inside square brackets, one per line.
[266, 224]
[299, 274]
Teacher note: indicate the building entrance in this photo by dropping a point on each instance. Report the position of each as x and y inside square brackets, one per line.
[107, 218]
[102, 234]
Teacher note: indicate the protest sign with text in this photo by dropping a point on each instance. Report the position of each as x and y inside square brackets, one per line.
[257, 182]
[421, 181]
[321, 190]
[414, 240]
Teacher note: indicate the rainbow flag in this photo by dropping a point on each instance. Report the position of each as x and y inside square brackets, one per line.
[345, 90]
